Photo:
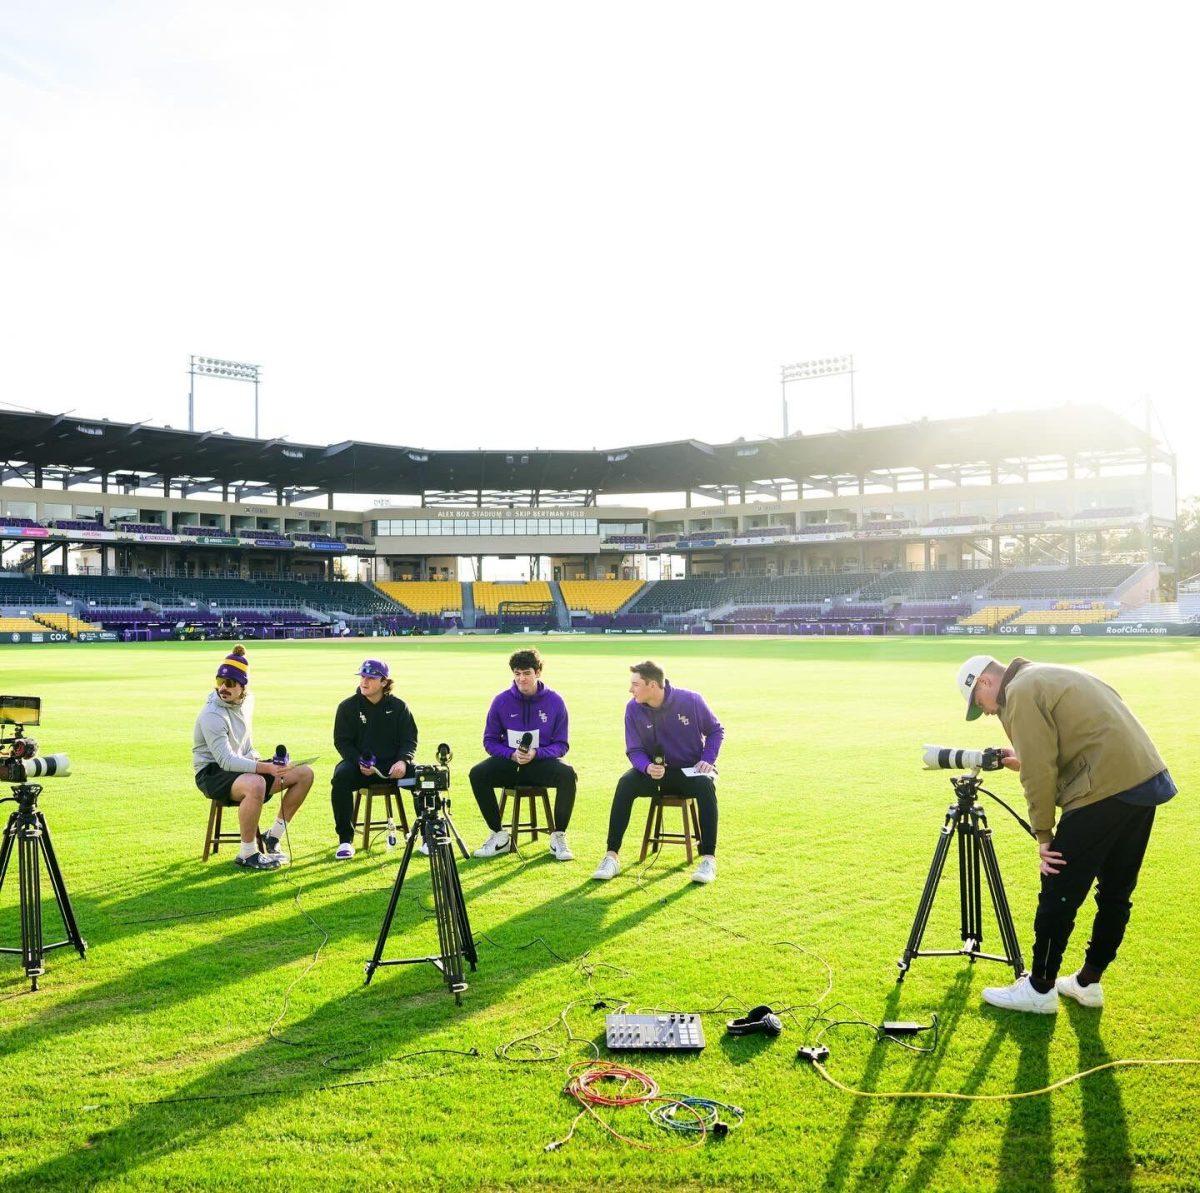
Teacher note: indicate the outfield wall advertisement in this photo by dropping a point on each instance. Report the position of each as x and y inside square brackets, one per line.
[1104, 629]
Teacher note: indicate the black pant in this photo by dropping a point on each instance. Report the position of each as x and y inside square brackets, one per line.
[541, 772]
[1103, 842]
[635, 783]
[347, 779]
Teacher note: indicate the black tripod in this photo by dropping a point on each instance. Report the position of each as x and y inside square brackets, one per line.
[27, 827]
[965, 820]
[454, 931]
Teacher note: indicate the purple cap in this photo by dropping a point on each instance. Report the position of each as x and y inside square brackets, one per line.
[375, 668]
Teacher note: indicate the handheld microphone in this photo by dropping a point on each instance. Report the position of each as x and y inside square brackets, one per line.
[281, 756]
[658, 760]
[526, 740]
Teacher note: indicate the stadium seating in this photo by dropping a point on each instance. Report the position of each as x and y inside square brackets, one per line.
[1042, 583]
[346, 596]
[424, 596]
[20, 590]
[18, 522]
[990, 616]
[680, 596]
[929, 584]
[109, 591]
[64, 621]
[489, 594]
[598, 596]
[958, 520]
[141, 528]
[1065, 617]
[1183, 611]
[20, 625]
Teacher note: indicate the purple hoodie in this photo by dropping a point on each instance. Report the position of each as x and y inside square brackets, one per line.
[683, 730]
[543, 711]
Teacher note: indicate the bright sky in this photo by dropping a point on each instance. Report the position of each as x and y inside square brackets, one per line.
[571, 225]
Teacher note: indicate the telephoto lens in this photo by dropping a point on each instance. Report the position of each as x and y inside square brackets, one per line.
[47, 766]
[946, 758]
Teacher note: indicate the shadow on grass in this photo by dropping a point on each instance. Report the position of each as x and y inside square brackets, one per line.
[213, 892]
[1106, 1163]
[879, 1168]
[404, 1010]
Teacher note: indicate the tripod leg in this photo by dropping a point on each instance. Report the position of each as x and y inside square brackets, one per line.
[459, 905]
[1004, 920]
[60, 888]
[440, 857]
[386, 926]
[6, 847]
[450, 825]
[927, 895]
[31, 907]
[968, 884]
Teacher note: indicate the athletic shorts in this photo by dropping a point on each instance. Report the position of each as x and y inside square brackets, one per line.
[217, 783]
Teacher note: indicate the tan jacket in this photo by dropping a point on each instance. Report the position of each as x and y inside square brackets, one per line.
[1077, 740]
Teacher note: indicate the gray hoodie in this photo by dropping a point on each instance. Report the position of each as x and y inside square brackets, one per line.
[222, 735]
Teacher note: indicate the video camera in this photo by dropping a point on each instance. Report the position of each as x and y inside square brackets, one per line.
[19, 762]
[946, 758]
[436, 777]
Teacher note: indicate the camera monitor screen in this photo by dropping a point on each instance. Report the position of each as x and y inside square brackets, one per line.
[20, 710]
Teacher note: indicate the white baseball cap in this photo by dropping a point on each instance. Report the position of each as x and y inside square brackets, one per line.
[968, 677]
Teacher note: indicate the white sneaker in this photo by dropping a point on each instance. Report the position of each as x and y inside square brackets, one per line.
[345, 851]
[1021, 996]
[1085, 996]
[560, 848]
[496, 843]
[423, 848]
[706, 871]
[607, 869]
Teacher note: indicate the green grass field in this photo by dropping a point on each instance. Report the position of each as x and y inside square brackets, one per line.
[151, 1064]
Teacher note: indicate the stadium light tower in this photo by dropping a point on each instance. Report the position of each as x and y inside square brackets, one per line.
[827, 366]
[231, 370]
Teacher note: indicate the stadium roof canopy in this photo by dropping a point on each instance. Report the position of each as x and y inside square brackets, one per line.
[83, 449]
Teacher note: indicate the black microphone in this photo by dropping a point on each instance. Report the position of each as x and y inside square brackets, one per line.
[281, 756]
[526, 741]
[658, 761]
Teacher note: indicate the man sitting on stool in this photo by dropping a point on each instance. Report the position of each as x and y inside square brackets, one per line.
[370, 724]
[228, 767]
[529, 713]
[672, 739]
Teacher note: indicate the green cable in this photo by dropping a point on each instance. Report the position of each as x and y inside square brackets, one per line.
[706, 1118]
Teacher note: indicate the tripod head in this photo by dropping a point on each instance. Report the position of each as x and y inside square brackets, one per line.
[25, 796]
[969, 786]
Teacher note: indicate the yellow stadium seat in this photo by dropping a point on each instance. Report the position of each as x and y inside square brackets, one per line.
[990, 616]
[424, 596]
[598, 596]
[489, 594]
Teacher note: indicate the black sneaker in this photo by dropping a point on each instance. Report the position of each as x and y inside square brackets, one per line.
[257, 861]
[272, 850]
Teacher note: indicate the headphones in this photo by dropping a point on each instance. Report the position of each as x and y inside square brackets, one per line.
[760, 1021]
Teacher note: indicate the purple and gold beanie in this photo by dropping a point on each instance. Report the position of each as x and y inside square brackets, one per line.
[236, 666]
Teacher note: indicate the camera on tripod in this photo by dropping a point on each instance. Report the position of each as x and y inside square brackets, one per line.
[434, 777]
[946, 758]
[19, 760]
[28, 836]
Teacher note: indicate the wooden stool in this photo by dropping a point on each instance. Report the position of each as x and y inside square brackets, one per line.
[389, 791]
[213, 837]
[654, 836]
[529, 827]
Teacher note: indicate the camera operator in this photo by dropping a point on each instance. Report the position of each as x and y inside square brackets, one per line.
[371, 724]
[527, 707]
[228, 768]
[1077, 748]
[676, 726]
